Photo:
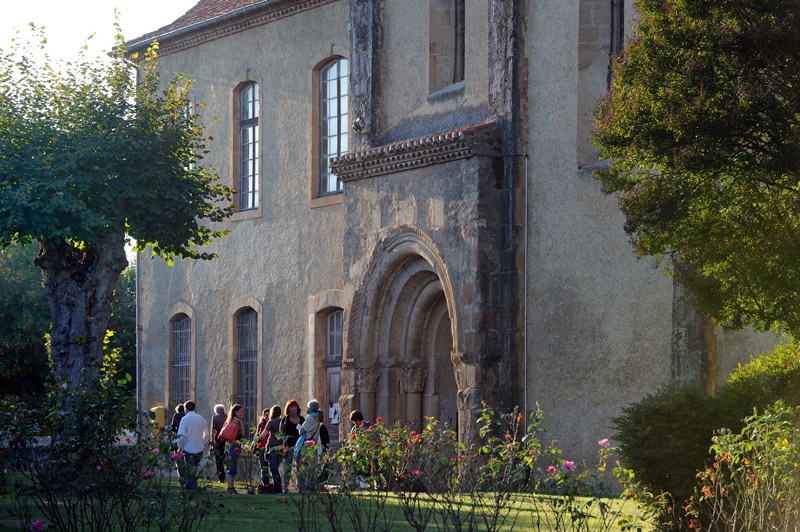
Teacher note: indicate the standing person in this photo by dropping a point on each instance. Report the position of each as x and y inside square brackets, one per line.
[289, 429]
[324, 437]
[261, 439]
[310, 433]
[192, 440]
[234, 416]
[180, 411]
[217, 445]
[274, 447]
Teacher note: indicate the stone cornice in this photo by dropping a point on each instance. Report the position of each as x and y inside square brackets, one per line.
[224, 26]
[438, 148]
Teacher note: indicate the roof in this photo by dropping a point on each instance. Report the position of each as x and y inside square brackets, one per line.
[204, 11]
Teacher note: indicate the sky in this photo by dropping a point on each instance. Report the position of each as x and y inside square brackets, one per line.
[68, 23]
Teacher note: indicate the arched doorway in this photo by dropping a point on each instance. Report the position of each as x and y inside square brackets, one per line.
[401, 334]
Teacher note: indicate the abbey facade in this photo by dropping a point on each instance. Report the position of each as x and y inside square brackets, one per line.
[417, 230]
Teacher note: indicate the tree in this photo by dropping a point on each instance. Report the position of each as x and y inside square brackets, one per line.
[123, 323]
[702, 126]
[24, 322]
[87, 156]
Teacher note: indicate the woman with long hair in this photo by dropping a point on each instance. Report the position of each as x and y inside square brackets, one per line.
[261, 443]
[234, 416]
[274, 452]
[289, 426]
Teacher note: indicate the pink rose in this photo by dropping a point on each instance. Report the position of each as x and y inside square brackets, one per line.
[154, 450]
[309, 443]
[37, 526]
[551, 469]
[603, 442]
[149, 474]
[415, 472]
[568, 466]
[99, 468]
[176, 456]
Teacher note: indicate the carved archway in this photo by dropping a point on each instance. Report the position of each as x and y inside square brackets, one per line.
[401, 332]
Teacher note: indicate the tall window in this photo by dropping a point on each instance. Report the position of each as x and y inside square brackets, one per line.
[248, 147]
[333, 121]
[446, 64]
[181, 359]
[335, 335]
[247, 364]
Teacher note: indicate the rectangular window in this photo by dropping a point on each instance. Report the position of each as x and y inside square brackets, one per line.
[248, 147]
[334, 121]
[335, 335]
[247, 333]
[181, 360]
[447, 31]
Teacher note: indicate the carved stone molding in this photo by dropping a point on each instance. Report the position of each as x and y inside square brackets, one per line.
[424, 151]
[367, 379]
[229, 23]
[414, 379]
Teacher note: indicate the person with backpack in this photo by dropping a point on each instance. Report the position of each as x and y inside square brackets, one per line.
[309, 432]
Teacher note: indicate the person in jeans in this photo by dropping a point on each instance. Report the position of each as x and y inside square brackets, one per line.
[288, 427]
[192, 441]
[217, 445]
[234, 416]
[275, 450]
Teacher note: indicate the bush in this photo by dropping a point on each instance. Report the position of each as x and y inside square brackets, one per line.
[754, 482]
[666, 437]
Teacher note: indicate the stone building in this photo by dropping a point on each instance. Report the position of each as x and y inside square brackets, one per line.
[417, 228]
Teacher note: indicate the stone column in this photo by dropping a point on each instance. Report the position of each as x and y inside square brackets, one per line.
[413, 385]
[367, 385]
[695, 356]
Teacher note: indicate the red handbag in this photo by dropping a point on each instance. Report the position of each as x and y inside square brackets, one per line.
[229, 432]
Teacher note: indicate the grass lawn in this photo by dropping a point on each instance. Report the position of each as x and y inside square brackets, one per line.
[245, 513]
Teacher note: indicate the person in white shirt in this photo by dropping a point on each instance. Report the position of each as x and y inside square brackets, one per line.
[192, 441]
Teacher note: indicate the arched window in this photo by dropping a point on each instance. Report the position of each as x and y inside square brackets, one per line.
[181, 347]
[334, 121]
[248, 147]
[247, 364]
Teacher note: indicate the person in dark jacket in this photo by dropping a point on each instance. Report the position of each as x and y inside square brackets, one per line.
[180, 411]
[217, 445]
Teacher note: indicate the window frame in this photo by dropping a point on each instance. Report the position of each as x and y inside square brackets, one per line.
[247, 348]
[320, 193]
[248, 154]
[180, 360]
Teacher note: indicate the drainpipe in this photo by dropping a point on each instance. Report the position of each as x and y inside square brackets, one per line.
[524, 298]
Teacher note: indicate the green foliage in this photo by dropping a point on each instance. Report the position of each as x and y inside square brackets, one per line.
[24, 322]
[754, 482]
[123, 323]
[92, 476]
[701, 126]
[665, 437]
[511, 480]
[86, 151]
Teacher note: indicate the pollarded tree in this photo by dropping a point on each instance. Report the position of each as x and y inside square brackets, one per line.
[87, 156]
[702, 126]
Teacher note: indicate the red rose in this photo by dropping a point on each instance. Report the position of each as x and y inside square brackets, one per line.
[378, 419]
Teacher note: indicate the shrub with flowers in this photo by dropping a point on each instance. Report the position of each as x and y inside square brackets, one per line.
[754, 482]
[89, 477]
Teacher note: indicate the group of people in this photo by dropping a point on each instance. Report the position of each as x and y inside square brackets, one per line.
[280, 436]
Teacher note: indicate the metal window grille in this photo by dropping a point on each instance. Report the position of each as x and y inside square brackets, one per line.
[181, 360]
[247, 331]
[334, 121]
[335, 335]
[248, 147]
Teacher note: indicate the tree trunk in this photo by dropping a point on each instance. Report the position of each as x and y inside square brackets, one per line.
[80, 285]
